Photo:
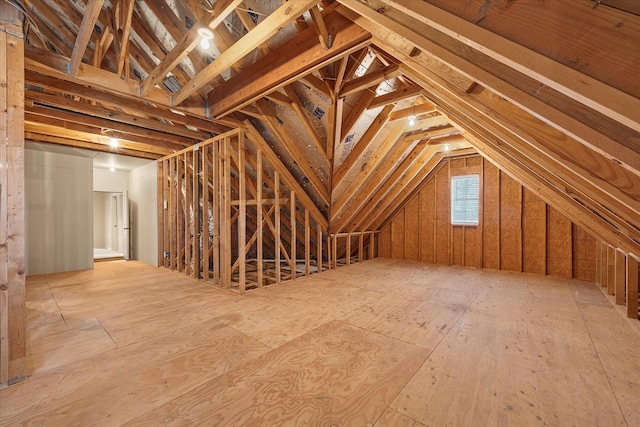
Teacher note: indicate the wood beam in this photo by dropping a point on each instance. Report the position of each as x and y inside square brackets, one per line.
[124, 36]
[386, 210]
[295, 59]
[269, 117]
[306, 122]
[51, 64]
[91, 13]
[357, 151]
[416, 110]
[396, 96]
[386, 149]
[321, 28]
[375, 180]
[611, 225]
[97, 111]
[36, 137]
[144, 108]
[289, 179]
[70, 119]
[632, 287]
[608, 100]
[13, 344]
[284, 15]
[403, 35]
[187, 43]
[361, 106]
[70, 132]
[370, 79]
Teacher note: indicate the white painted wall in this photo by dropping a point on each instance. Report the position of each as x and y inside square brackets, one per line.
[100, 220]
[143, 199]
[59, 212]
[110, 182]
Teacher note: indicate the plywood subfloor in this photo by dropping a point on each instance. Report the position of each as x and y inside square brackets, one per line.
[382, 343]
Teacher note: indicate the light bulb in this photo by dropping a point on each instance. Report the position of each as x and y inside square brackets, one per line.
[113, 142]
[446, 147]
[412, 120]
[206, 35]
[112, 169]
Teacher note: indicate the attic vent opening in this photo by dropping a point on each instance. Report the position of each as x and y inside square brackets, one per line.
[172, 84]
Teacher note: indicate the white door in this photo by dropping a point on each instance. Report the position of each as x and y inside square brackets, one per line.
[126, 227]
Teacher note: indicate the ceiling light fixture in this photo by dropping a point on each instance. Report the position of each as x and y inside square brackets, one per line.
[113, 142]
[446, 147]
[206, 35]
[412, 117]
[112, 169]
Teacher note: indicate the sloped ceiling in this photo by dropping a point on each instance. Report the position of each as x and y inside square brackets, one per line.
[548, 91]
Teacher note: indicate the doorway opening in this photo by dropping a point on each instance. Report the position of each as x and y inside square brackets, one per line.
[110, 225]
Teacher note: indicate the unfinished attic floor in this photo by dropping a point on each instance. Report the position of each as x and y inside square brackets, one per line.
[382, 343]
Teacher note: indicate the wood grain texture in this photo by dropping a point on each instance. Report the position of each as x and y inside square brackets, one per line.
[517, 230]
[382, 342]
[359, 372]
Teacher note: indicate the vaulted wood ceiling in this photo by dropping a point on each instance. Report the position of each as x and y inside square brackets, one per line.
[548, 91]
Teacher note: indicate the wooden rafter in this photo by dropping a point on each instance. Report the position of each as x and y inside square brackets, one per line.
[91, 13]
[284, 15]
[357, 151]
[321, 28]
[269, 118]
[370, 80]
[612, 139]
[612, 102]
[293, 60]
[187, 43]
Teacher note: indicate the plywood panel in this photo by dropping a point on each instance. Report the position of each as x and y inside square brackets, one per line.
[559, 261]
[443, 216]
[472, 256]
[412, 229]
[384, 342]
[397, 236]
[510, 231]
[515, 231]
[534, 232]
[491, 217]
[384, 242]
[457, 245]
[584, 261]
[427, 221]
[361, 373]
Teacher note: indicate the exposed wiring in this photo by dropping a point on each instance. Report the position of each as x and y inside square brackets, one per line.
[28, 22]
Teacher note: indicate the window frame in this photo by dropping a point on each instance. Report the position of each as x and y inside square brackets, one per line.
[453, 198]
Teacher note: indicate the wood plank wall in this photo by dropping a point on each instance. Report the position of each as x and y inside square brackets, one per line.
[12, 223]
[517, 231]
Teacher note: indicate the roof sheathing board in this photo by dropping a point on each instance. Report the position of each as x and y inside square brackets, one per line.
[290, 164]
[364, 121]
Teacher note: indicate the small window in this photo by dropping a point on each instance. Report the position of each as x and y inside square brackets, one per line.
[465, 199]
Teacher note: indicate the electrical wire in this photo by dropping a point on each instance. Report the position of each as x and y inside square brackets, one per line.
[28, 22]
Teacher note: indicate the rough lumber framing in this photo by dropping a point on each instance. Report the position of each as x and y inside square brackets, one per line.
[13, 348]
[292, 61]
[612, 102]
[229, 185]
[632, 285]
[284, 15]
